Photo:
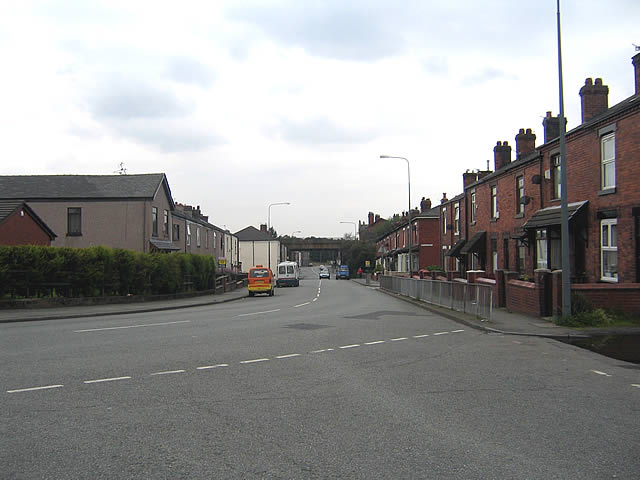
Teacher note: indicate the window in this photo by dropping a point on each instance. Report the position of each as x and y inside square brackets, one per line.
[74, 221]
[154, 221]
[556, 177]
[521, 253]
[165, 223]
[494, 201]
[188, 235]
[176, 231]
[541, 249]
[474, 206]
[206, 239]
[519, 194]
[608, 147]
[456, 220]
[494, 254]
[609, 249]
[444, 220]
[198, 242]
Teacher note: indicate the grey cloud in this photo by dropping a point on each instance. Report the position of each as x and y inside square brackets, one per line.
[319, 131]
[125, 99]
[190, 71]
[342, 30]
[487, 75]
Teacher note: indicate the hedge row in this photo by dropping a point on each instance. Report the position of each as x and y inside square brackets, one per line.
[31, 271]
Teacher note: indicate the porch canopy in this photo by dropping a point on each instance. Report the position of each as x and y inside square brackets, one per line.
[475, 243]
[455, 251]
[164, 245]
[546, 217]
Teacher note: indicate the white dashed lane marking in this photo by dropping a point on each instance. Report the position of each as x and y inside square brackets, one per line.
[377, 342]
[257, 360]
[130, 326]
[112, 379]
[399, 339]
[350, 346]
[33, 389]
[291, 355]
[301, 305]
[635, 385]
[207, 367]
[258, 313]
[168, 372]
[598, 372]
[441, 333]
[421, 336]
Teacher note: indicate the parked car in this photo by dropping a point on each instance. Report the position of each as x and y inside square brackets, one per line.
[324, 273]
[260, 280]
[343, 272]
[288, 274]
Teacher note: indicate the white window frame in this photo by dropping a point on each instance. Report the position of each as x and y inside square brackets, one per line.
[494, 201]
[188, 235]
[519, 193]
[456, 219]
[608, 162]
[608, 244]
[444, 220]
[198, 238]
[542, 249]
[474, 206]
[556, 173]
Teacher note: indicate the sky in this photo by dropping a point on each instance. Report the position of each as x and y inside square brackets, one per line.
[243, 104]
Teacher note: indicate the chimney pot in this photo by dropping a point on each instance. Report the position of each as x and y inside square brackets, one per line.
[595, 99]
[525, 142]
[636, 65]
[501, 154]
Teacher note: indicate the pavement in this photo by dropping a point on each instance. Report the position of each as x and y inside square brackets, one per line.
[502, 321]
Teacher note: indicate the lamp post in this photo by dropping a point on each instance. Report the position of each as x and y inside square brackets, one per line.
[355, 234]
[409, 185]
[269, 227]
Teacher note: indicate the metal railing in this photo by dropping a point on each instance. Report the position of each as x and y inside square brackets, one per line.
[471, 298]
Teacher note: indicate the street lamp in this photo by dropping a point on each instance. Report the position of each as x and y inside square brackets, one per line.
[409, 184]
[269, 226]
[355, 235]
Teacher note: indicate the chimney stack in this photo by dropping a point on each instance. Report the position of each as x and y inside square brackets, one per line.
[636, 64]
[444, 198]
[425, 204]
[502, 154]
[377, 217]
[371, 218]
[468, 178]
[525, 142]
[595, 99]
[263, 227]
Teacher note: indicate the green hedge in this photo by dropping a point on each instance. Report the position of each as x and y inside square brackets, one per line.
[32, 271]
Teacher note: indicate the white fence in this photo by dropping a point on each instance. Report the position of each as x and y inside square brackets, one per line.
[471, 298]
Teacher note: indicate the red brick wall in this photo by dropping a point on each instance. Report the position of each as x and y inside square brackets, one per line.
[523, 297]
[615, 296]
[17, 230]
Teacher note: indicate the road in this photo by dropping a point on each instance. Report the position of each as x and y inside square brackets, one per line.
[328, 380]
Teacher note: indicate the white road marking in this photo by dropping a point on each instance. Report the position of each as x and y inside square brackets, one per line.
[635, 385]
[601, 373]
[323, 350]
[457, 331]
[168, 372]
[441, 333]
[258, 313]
[374, 343]
[291, 355]
[350, 346]
[32, 389]
[130, 326]
[314, 299]
[256, 360]
[301, 305]
[113, 379]
[398, 339]
[206, 367]
[421, 336]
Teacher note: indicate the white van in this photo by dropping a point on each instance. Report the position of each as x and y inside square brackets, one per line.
[288, 274]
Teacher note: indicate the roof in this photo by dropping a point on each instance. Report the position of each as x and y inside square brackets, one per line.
[552, 215]
[475, 243]
[9, 207]
[431, 213]
[48, 187]
[455, 251]
[164, 244]
[252, 234]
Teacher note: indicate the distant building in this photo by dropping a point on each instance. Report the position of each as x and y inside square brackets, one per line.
[20, 225]
[254, 247]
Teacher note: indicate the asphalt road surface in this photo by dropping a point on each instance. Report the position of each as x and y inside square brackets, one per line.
[328, 380]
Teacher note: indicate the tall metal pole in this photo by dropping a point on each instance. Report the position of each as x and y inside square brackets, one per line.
[409, 213]
[355, 234]
[564, 226]
[269, 228]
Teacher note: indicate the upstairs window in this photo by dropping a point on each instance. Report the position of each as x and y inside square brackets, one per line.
[176, 231]
[609, 249]
[456, 219]
[556, 177]
[198, 242]
[188, 235]
[74, 221]
[474, 206]
[165, 223]
[154, 221]
[444, 220]
[494, 201]
[608, 160]
[519, 194]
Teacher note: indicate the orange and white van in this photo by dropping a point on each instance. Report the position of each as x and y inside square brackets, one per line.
[261, 280]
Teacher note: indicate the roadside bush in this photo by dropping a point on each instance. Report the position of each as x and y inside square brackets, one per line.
[29, 271]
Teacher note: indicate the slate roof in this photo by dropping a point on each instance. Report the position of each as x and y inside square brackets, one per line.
[252, 234]
[9, 207]
[54, 187]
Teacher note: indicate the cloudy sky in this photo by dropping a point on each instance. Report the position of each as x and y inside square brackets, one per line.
[247, 103]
